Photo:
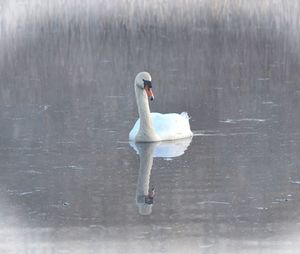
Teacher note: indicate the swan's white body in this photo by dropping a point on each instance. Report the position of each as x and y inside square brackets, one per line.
[166, 127]
[153, 127]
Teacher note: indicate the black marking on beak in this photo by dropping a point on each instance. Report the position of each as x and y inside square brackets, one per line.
[147, 83]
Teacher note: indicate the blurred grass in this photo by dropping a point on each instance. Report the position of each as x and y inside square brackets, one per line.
[135, 15]
[59, 51]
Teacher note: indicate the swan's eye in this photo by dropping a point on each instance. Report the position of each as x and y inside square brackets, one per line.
[147, 83]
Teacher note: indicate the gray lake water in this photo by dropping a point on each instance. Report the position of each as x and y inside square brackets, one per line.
[70, 182]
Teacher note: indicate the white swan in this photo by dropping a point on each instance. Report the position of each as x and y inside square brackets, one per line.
[153, 127]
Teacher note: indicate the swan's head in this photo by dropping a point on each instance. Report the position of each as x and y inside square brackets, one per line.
[143, 81]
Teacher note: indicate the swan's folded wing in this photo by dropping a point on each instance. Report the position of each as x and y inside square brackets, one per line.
[171, 126]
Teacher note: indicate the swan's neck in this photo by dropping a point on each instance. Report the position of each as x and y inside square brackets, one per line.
[146, 131]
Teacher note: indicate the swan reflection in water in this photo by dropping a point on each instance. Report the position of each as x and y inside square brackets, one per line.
[147, 151]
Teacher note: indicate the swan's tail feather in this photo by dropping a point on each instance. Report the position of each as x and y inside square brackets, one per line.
[185, 115]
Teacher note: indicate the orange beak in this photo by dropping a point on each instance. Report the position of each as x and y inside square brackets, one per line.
[149, 93]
